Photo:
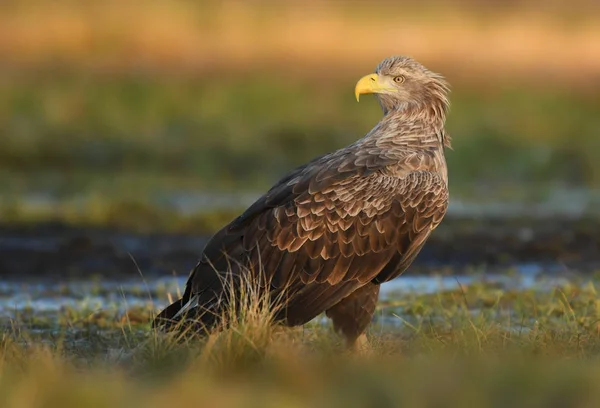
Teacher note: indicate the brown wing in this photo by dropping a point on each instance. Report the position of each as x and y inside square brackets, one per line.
[329, 228]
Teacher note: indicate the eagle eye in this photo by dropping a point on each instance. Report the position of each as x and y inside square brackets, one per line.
[399, 79]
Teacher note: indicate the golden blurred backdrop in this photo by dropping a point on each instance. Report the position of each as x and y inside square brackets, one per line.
[157, 96]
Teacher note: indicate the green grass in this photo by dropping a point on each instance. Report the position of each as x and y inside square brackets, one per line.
[483, 344]
[245, 132]
[125, 213]
[105, 150]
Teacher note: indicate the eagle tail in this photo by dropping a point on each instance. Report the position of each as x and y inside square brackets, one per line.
[168, 317]
[202, 314]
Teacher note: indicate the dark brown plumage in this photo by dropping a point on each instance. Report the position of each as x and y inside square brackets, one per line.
[331, 231]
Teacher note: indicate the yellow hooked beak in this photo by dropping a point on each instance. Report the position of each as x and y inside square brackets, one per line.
[371, 83]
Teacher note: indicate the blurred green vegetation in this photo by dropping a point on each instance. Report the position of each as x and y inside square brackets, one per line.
[73, 132]
[107, 105]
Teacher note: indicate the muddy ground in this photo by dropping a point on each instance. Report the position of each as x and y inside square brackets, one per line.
[54, 250]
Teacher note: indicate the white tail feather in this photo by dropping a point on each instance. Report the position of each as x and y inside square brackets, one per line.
[192, 303]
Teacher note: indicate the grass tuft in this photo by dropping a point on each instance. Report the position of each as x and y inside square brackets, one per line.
[482, 343]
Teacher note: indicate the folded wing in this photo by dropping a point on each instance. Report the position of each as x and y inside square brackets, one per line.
[326, 229]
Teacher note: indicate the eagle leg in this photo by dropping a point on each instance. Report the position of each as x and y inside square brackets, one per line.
[352, 315]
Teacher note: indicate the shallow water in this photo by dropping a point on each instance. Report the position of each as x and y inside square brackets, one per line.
[120, 295]
[51, 267]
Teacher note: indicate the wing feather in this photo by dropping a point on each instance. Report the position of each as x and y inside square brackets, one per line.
[330, 227]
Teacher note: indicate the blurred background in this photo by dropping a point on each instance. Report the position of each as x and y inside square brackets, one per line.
[156, 116]
[183, 103]
[131, 130]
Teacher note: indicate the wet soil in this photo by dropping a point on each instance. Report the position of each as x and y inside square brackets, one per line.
[63, 251]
